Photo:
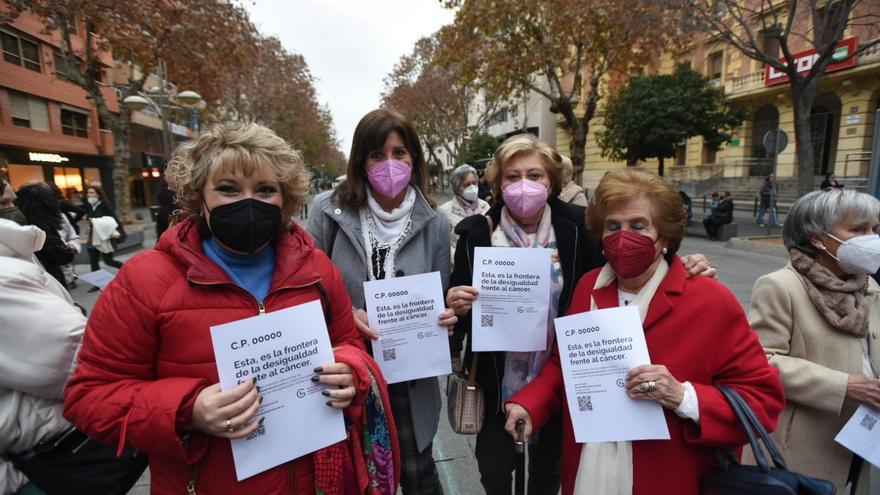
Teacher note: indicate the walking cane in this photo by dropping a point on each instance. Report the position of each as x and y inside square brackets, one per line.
[520, 448]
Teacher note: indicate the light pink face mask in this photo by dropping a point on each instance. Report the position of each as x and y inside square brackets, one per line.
[389, 177]
[525, 198]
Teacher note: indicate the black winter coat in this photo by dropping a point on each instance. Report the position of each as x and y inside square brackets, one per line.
[578, 254]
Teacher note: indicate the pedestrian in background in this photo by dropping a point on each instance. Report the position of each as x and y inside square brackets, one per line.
[73, 213]
[484, 191]
[147, 375]
[817, 319]
[571, 192]
[167, 206]
[722, 215]
[768, 193]
[713, 202]
[40, 207]
[98, 205]
[8, 210]
[379, 224]
[830, 182]
[465, 200]
[641, 219]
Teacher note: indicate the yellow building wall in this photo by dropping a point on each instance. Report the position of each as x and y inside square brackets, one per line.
[858, 89]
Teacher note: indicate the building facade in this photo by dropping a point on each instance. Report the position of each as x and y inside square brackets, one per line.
[843, 113]
[49, 130]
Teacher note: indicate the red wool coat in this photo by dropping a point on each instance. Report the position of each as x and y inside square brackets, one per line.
[147, 354]
[697, 329]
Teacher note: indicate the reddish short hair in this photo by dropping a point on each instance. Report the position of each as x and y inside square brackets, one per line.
[619, 187]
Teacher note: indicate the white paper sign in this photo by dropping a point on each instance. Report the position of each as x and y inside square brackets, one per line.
[405, 312]
[99, 279]
[510, 313]
[597, 349]
[281, 349]
[861, 434]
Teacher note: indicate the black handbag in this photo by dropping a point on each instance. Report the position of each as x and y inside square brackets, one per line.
[74, 463]
[733, 478]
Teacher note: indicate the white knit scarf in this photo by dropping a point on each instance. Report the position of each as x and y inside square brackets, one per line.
[385, 229]
[606, 468]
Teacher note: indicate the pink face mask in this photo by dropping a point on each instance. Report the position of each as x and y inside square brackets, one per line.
[389, 177]
[525, 198]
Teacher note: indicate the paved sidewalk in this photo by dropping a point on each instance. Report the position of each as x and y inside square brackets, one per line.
[745, 224]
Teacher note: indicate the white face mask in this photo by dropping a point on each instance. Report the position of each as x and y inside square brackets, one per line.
[93, 201]
[859, 255]
[470, 193]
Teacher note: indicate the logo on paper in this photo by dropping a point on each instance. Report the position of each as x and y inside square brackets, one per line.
[520, 309]
[301, 393]
[620, 382]
[420, 335]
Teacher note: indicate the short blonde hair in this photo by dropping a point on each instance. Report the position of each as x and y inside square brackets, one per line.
[622, 186]
[519, 145]
[248, 147]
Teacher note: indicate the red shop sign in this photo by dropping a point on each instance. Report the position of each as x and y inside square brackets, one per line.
[805, 60]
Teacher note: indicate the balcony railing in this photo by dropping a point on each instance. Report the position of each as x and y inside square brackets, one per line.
[743, 84]
[735, 85]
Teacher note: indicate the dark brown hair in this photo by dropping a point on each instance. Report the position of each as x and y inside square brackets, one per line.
[370, 134]
[101, 194]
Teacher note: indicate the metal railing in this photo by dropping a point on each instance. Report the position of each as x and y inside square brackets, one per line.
[856, 164]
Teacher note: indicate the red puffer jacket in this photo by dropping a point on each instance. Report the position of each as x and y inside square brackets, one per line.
[147, 354]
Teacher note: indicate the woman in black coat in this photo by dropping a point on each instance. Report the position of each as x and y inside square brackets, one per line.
[526, 178]
[99, 206]
[40, 207]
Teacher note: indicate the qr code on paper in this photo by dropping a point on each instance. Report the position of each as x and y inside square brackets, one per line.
[868, 422]
[585, 403]
[260, 431]
[389, 354]
[487, 320]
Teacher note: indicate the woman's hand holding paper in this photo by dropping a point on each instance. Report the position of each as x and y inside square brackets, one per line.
[666, 390]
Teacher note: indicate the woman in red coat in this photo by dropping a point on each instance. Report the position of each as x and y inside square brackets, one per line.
[146, 375]
[698, 338]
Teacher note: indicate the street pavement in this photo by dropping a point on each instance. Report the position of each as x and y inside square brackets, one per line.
[453, 453]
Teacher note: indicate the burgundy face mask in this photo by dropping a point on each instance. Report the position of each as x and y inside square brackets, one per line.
[629, 254]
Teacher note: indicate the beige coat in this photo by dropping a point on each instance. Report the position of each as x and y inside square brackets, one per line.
[456, 213]
[814, 361]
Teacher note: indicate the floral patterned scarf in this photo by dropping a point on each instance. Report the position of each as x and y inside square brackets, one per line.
[368, 461]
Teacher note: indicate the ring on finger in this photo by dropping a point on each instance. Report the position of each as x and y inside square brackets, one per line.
[649, 386]
[229, 427]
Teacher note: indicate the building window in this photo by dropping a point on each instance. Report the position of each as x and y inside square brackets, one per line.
[74, 123]
[498, 117]
[681, 154]
[61, 70]
[21, 52]
[828, 19]
[770, 45]
[709, 155]
[716, 66]
[28, 111]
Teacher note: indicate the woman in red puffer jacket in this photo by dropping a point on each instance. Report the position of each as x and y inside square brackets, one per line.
[147, 376]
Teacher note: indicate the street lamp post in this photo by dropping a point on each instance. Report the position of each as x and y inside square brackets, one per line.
[141, 101]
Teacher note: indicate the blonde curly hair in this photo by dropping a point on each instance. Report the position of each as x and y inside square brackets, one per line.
[234, 146]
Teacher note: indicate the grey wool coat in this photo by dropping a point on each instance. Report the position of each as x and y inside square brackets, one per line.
[424, 250]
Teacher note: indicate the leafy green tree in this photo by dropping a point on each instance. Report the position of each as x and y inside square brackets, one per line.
[652, 114]
[480, 147]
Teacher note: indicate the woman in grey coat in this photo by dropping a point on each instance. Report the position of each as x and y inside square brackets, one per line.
[379, 224]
